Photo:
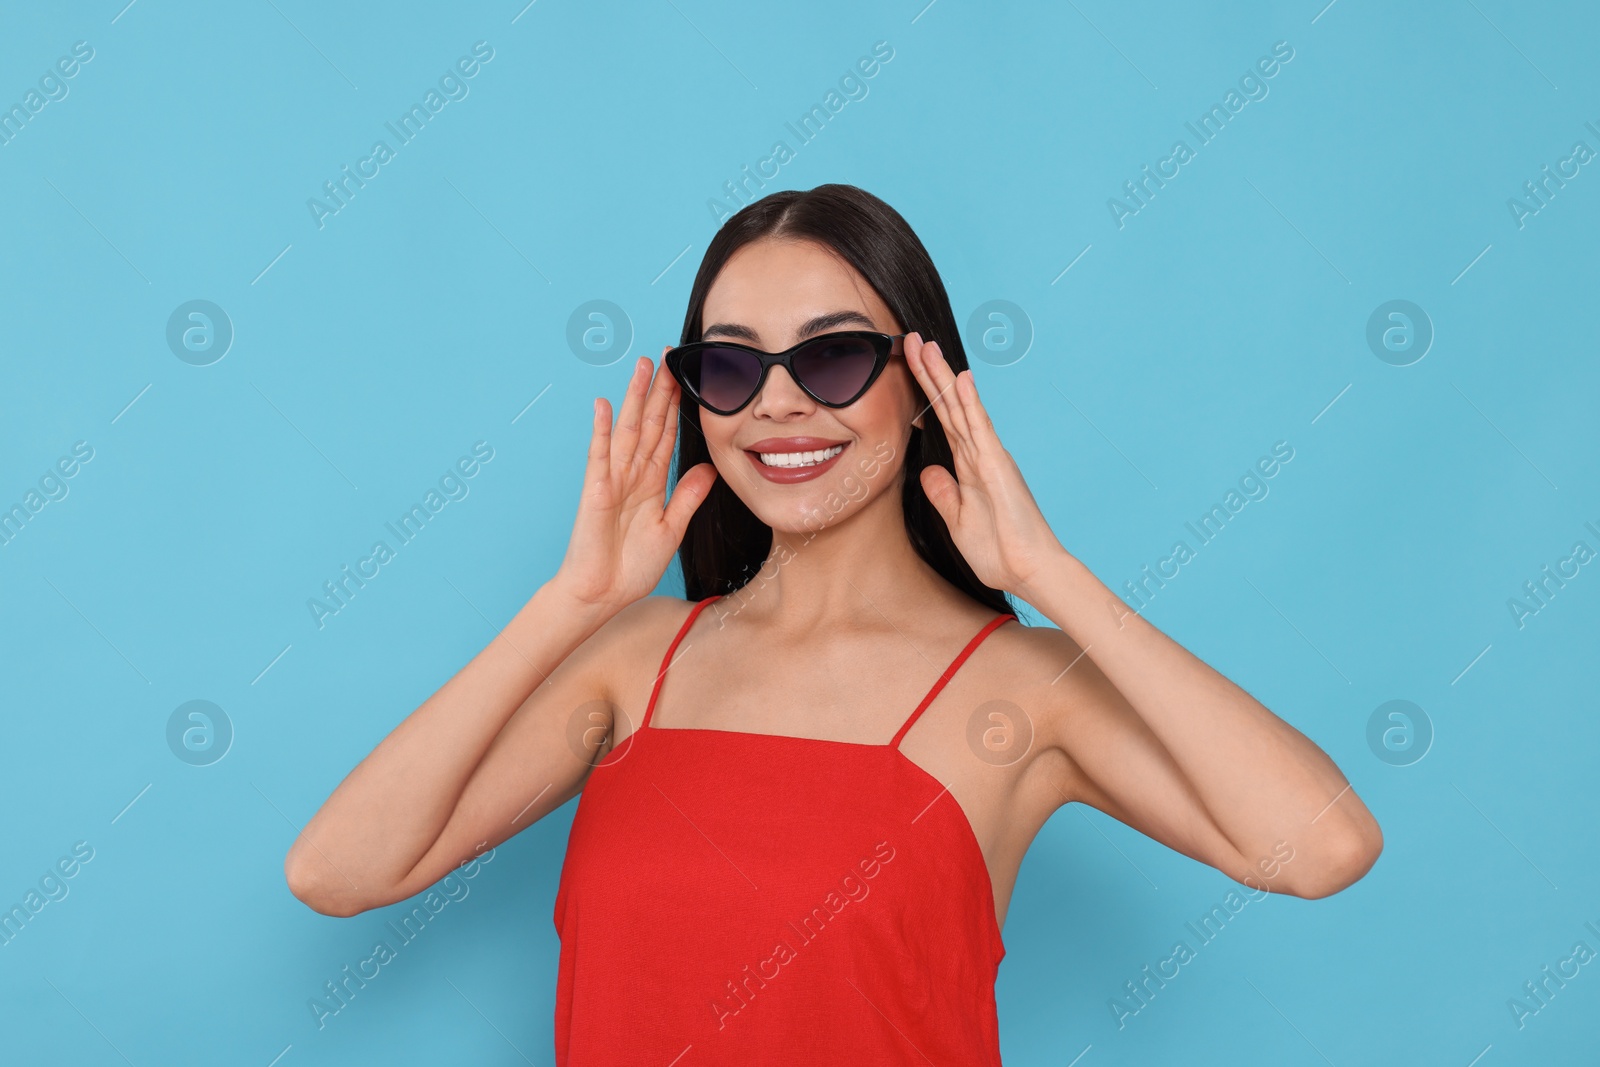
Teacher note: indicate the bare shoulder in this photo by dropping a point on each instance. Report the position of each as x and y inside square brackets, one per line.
[627, 650]
[1016, 712]
[1030, 652]
[1046, 672]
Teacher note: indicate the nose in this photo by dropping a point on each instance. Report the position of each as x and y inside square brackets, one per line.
[781, 397]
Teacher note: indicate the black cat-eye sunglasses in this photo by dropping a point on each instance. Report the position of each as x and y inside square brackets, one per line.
[834, 369]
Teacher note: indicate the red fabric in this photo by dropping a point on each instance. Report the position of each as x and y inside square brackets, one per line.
[742, 898]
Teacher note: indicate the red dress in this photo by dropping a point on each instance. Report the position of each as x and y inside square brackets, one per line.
[746, 898]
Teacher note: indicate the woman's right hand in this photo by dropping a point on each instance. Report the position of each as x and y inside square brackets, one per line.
[490, 751]
[626, 532]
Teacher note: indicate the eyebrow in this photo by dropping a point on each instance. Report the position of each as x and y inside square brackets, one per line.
[821, 323]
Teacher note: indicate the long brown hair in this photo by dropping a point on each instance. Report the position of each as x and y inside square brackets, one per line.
[725, 544]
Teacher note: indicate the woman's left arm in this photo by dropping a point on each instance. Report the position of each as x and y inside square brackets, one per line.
[1258, 781]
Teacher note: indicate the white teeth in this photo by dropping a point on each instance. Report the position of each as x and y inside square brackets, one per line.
[799, 459]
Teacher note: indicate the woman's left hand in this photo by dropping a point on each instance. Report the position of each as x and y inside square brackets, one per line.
[991, 514]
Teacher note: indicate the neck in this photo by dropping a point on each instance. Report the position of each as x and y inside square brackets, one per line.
[858, 568]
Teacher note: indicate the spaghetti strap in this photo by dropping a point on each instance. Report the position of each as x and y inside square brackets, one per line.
[704, 844]
[666, 661]
[949, 672]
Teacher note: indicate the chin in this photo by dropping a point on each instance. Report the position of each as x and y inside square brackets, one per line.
[808, 500]
[807, 525]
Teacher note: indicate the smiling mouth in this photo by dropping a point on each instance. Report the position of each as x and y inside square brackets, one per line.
[798, 459]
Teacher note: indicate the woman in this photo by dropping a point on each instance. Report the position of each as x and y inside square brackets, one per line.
[781, 853]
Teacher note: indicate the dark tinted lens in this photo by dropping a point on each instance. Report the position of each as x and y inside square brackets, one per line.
[835, 369]
[724, 377]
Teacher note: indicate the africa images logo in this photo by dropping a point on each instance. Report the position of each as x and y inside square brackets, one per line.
[452, 86]
[453, 485]
[1206, 128]
[852, 887]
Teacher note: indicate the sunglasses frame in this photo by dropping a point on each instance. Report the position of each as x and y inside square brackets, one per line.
[885, 346]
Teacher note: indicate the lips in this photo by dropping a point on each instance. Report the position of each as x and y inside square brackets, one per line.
[782, 445]
[792, 444]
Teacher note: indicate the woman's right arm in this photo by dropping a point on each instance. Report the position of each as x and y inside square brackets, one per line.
[514, 733]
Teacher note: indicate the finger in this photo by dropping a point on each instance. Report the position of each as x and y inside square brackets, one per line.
[913, 352]
[918, 357]
[950, 410]
[942, 491]
[946, 377]
[661, 458]
[978, 420]
[625, 438]
[690, 492]
[655, 414]
[936, 388]
[598, 469]
[600, 436]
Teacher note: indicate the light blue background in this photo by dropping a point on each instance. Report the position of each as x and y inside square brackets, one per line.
[1228, 314]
